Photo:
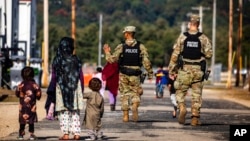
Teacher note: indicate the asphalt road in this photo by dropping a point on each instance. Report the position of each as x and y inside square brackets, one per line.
[156, 122]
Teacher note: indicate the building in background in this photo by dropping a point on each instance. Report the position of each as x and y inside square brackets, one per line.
[18, 38]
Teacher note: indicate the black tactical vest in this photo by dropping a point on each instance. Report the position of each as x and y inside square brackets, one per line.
[130, 55]
[192, 46]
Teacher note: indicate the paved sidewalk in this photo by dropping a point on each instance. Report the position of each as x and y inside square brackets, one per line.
[155, 122]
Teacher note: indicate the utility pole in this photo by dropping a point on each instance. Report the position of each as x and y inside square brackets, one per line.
[100, 41]
[73, 23]
[201, 9]
[5, 25]
[230, 48]
[183, 27]
[237, 82]
[213, 41]
[45, 44]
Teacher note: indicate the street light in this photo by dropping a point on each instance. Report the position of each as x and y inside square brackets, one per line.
[213, 41]
[100, 41]
[201, 9]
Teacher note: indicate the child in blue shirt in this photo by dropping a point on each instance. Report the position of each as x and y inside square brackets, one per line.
[161, 81]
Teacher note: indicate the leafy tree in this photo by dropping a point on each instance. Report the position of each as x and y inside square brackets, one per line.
[87, 43]
[158, 24]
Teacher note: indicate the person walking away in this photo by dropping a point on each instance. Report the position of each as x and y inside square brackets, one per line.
[94, 110]
[172, 94]
[68, 78]
[99, 75]
[161, 81]
[110, 74]
[188, 61]
[28, 91]
[131, 56]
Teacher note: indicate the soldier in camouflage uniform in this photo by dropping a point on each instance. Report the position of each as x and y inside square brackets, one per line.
[194, 48]
[131, 56]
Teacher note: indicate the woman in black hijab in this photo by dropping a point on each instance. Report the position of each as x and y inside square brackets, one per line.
[67, 76]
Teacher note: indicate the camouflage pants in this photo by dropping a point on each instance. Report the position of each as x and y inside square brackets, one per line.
[190, 77]
[130, 90]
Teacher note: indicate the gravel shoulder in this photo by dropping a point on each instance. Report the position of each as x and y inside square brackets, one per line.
[237, 95]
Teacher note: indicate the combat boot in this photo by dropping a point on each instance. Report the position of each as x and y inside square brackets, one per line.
[125, 116]
[195, 115]
[182, 114]
[135, 111]
[195, 121]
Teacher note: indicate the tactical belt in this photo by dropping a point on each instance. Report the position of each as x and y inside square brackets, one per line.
[130, 72]
[192, 63]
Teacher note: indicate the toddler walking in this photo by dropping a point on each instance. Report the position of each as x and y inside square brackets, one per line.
[28, 92]
[172, 94]
[94, 110]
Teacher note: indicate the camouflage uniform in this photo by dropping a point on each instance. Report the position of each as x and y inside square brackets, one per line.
[129, 86]
[190, 76]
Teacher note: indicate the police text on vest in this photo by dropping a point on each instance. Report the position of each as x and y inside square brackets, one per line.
[131, 50]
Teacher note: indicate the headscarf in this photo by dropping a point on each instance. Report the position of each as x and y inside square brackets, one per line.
[67, 68]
